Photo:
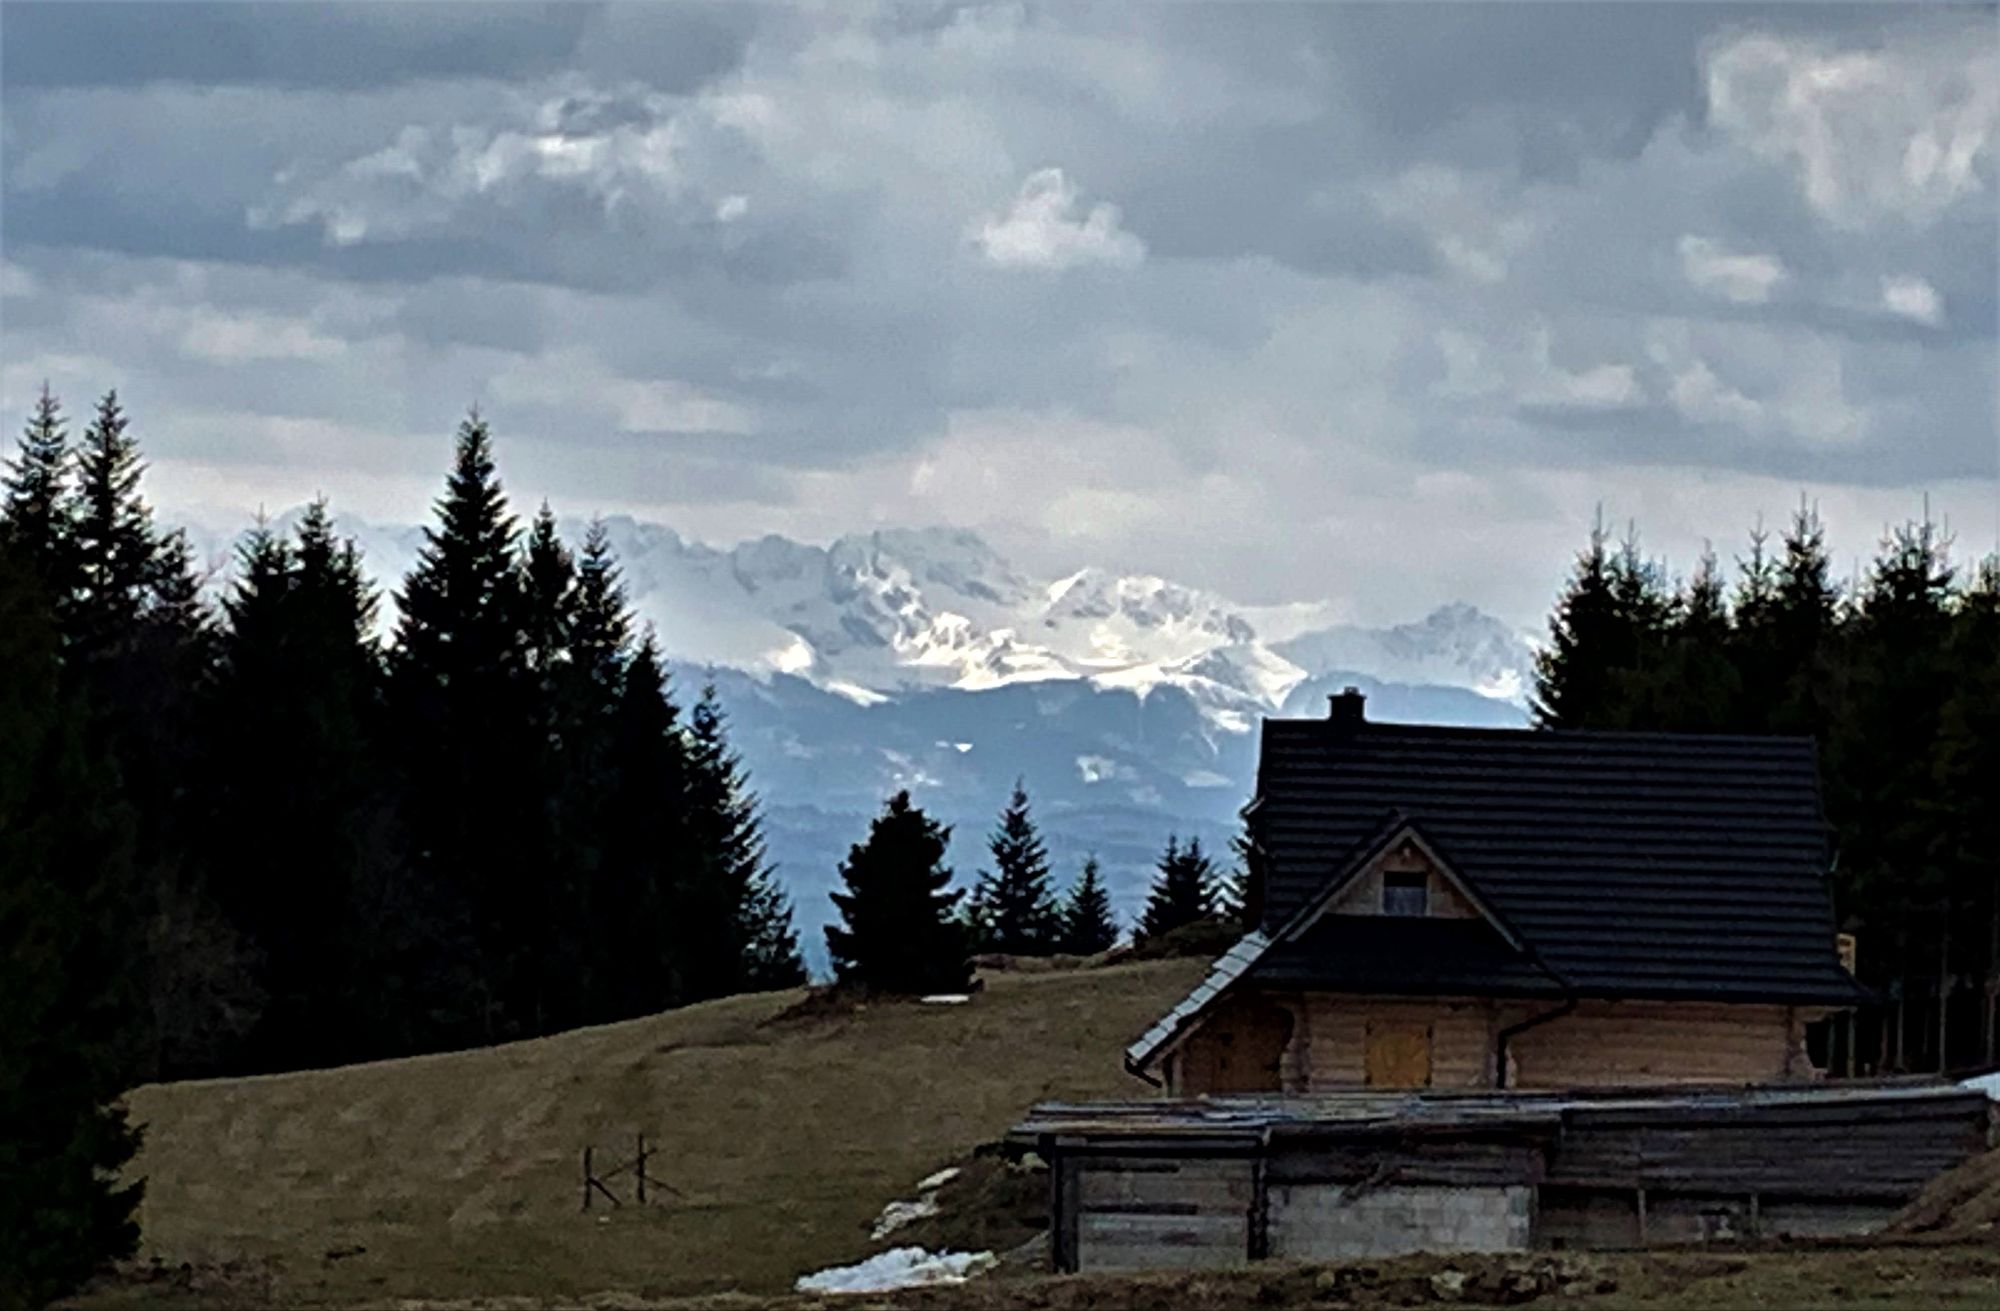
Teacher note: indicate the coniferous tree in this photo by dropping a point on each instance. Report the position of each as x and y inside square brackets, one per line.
[302, 847]
[1895, 675]
[548, 590]
[458, 694]
[69, 997]
[1014, 911]
[591, 686]
[1965, 777]
[1692, 685]
[114, 545]
[1244, 899]
[1087, 923]
[898, 933]
[1184, 892]
[1795, 630]
[1574, 674]
[757, 914]
[35, 514]
[641, 941]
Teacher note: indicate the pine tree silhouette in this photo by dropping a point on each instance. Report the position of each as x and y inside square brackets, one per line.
[1087, 923]
[897, 933]
[70, 997]
[1012, 909]
[1182, 894]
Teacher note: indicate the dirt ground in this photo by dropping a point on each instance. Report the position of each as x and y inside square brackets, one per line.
[1903, 1276]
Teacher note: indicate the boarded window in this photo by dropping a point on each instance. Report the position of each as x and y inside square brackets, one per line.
[1398, 1054]
[1406, 893]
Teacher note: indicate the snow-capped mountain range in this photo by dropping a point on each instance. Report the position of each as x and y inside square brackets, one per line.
[876, 615]
[922, 659]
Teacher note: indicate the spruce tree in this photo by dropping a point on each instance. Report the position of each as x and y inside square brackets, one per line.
[1896, 674]
[639, 952]
[1087, 923]
[70, 936]
[591, 685]
[600, 631]
[1798, 628]
[548, 590]
[467, 730]
[897, 932]
[1014, 911]
[113, 561]
[1245, 899]
[1182, 894]
[757, 927]
[35, 514]
[1693, 685]
[302, 844]
[1575, 673]
[1965, 777]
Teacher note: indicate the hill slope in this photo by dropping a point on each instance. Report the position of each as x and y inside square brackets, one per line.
[459, 1175]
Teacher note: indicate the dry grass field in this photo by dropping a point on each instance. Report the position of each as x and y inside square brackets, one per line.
[454, 1181]
[458, 1175]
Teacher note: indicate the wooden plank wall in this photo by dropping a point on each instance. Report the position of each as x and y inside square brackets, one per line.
[1330, 1043]
[1600, 1044]
[1157, 1213]
[1889, 1151]
[1640, 1043]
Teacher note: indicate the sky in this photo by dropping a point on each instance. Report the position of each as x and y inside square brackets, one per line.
[1368, 306]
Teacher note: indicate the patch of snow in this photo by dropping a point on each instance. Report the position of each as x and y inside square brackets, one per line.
[1986, 1083]
[897, 1214]
[899, 1267]
[946, 998]
[859, 695]
[934, 1181]
[1096, 769]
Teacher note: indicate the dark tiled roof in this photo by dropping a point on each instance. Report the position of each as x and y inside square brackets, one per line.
[1425, 957]
[1630, 864]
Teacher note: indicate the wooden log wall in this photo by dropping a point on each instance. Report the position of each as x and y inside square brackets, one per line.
[1641, 1043]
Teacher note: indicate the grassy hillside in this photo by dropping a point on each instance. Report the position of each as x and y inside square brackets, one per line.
[459, 1175]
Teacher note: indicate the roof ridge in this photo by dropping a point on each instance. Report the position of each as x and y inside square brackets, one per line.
[1383, 728]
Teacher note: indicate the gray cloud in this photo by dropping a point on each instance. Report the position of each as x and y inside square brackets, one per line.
[1157, 286]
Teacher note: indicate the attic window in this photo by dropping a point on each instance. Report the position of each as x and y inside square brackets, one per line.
[1406, 893]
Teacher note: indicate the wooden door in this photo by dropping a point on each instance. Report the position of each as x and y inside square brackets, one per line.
[1399, 1054]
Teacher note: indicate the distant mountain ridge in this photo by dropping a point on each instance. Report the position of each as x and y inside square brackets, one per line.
[921, 658]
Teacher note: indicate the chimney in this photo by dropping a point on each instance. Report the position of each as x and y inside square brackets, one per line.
[1345, 709]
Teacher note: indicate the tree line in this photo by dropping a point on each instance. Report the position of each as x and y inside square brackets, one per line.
[904, 929]
[1895, 673]
[249, 836]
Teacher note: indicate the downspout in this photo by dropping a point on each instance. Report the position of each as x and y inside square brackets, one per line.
[1533, 1021]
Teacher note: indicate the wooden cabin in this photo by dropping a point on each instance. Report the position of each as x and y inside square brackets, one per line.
[1509, 990]
[1499, 908]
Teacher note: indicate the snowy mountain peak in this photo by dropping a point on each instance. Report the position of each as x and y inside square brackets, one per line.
[877, 613]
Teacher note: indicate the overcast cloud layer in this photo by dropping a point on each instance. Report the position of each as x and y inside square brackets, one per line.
[1354, 304]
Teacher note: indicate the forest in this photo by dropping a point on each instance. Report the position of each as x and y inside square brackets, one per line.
[1895, 674]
